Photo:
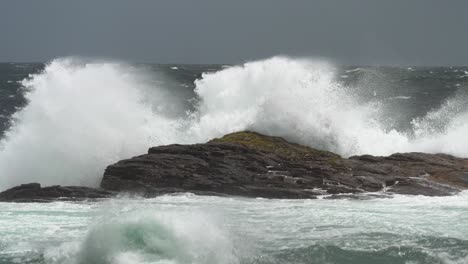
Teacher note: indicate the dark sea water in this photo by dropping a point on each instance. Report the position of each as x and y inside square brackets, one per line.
[63, 122]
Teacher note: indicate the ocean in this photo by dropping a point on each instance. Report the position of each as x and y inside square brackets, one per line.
[64, 121]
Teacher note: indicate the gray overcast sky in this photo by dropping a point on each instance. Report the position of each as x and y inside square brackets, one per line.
[416, 32]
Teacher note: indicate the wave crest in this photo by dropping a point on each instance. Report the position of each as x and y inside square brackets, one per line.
[156, 237]
[80, 117]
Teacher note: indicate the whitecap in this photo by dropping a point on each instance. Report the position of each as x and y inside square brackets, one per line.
[354, 70]
[401, 97]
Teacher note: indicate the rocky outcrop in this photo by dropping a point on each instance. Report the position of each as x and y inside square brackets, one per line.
[254, 165]
[414, 173]
[33, 192]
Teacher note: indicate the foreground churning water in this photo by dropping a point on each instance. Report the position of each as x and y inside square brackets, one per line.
[198, 229]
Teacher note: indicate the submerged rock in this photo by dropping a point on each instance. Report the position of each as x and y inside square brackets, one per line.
[255, 165]
[33, 192]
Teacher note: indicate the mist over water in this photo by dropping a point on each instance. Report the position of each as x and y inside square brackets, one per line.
[82, 116]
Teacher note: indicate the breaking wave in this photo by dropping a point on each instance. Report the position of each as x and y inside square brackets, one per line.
[157, 238]
[82, 116]
[78, 118]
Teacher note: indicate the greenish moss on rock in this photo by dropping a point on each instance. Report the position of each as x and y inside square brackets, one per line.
[275, 145]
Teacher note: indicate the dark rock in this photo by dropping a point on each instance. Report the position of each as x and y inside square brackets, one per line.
[216, 167]
[360, 196]
[254, 165]
[32, 192]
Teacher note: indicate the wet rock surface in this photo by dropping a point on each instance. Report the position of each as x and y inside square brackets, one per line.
[33, 192]
[253, 165]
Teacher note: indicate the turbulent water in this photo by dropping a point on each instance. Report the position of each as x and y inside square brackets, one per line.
[63, 122]
[196, 229]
